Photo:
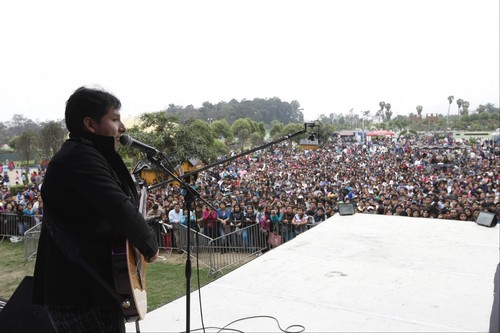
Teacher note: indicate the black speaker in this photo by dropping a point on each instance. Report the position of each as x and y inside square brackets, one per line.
[346, 209]
[19, 315]
[486, 219]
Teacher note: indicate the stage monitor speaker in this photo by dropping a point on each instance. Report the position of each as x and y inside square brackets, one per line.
[486, 219]
[346, 209]
[19, 315]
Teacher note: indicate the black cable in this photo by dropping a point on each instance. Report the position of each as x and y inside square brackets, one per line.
[299, 328]
[198, 275]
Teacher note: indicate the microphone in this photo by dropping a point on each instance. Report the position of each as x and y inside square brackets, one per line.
[127, 141]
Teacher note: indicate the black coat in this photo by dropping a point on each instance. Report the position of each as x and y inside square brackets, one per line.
[89, 191]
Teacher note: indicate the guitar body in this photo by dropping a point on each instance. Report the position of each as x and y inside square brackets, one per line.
[129, 274]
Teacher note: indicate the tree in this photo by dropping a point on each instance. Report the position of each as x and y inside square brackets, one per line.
[490, 108]
[159, 129]
[242, 130]
[20, 124]
[400, 122]
[419, 110]
[450, 100]
[294, 128]
[51, 138]
[382, 105]
[380, 113]
[325, 120]
[351, 116]
[159, 121]
[195, 140]
[481, 109]
[4, 136]
[256, 139]
[258, 109]
[365, 115]
[465, 108]
[459, 103]
[222, 129]
[276, 130]
[26, 146]
[388, 112]
[325, 131]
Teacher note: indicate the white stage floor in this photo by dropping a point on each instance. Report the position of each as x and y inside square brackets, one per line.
[351, 274]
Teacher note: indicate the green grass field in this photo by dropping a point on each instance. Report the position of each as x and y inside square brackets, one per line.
[165, 278]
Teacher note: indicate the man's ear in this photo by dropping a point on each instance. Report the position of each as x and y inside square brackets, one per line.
[89, 124]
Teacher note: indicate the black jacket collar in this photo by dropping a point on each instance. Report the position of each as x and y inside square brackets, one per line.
[105, 144]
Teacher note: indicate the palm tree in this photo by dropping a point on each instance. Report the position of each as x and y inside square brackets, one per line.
[380, 113]
[419, 110]
[365, 115]
[382, 105]
[388, 112]
[351, 115]
[481, 109]
[459, 103]
[450, 100]
[465, 108]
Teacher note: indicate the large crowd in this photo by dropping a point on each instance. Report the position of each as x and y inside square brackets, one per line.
[284, 187]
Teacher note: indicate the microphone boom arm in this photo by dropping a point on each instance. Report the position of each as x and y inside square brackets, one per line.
[187, 175]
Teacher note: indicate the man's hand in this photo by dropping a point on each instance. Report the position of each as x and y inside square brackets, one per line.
[153, 258]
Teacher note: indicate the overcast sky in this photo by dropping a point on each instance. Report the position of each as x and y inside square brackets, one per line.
[330, 55]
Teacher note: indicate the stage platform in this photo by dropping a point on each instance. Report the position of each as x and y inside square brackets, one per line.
[356, 273]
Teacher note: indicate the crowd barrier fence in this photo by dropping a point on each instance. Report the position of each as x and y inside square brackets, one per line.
[217, 254]
[31, 237]
[14, 225]
[220, 253]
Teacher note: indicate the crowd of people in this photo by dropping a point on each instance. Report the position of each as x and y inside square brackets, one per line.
[285, 189]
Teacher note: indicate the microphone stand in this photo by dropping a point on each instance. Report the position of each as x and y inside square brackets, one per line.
[190, 194]
[158, 158]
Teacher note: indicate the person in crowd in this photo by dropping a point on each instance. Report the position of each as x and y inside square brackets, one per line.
[87, 170]
[21, 219]
[288, 229]
[236, 223]
[175, 216]
[153, 217]
[264, 226]
[192, 218]
[210, 222]
[319, 216]
[198, 214]
[276, 219]
[236, 218]
[223, 225]
[299, 221]
[250, 232]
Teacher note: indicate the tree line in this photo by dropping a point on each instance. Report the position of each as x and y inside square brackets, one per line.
[216, 130]
[258, 109]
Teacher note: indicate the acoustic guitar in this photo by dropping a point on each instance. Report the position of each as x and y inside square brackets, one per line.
[129, 273]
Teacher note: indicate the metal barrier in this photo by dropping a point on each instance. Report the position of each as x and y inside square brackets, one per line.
[222, 252]
[16, 225]
[236, 247]
[31, 238]
[225, 251]
[216, 254]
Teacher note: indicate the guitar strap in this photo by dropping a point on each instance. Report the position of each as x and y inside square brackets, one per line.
[70, 249]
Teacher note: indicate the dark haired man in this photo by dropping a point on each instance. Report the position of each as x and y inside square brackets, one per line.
[88, 170]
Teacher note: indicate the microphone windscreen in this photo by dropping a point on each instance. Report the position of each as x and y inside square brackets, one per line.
[125, 140]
